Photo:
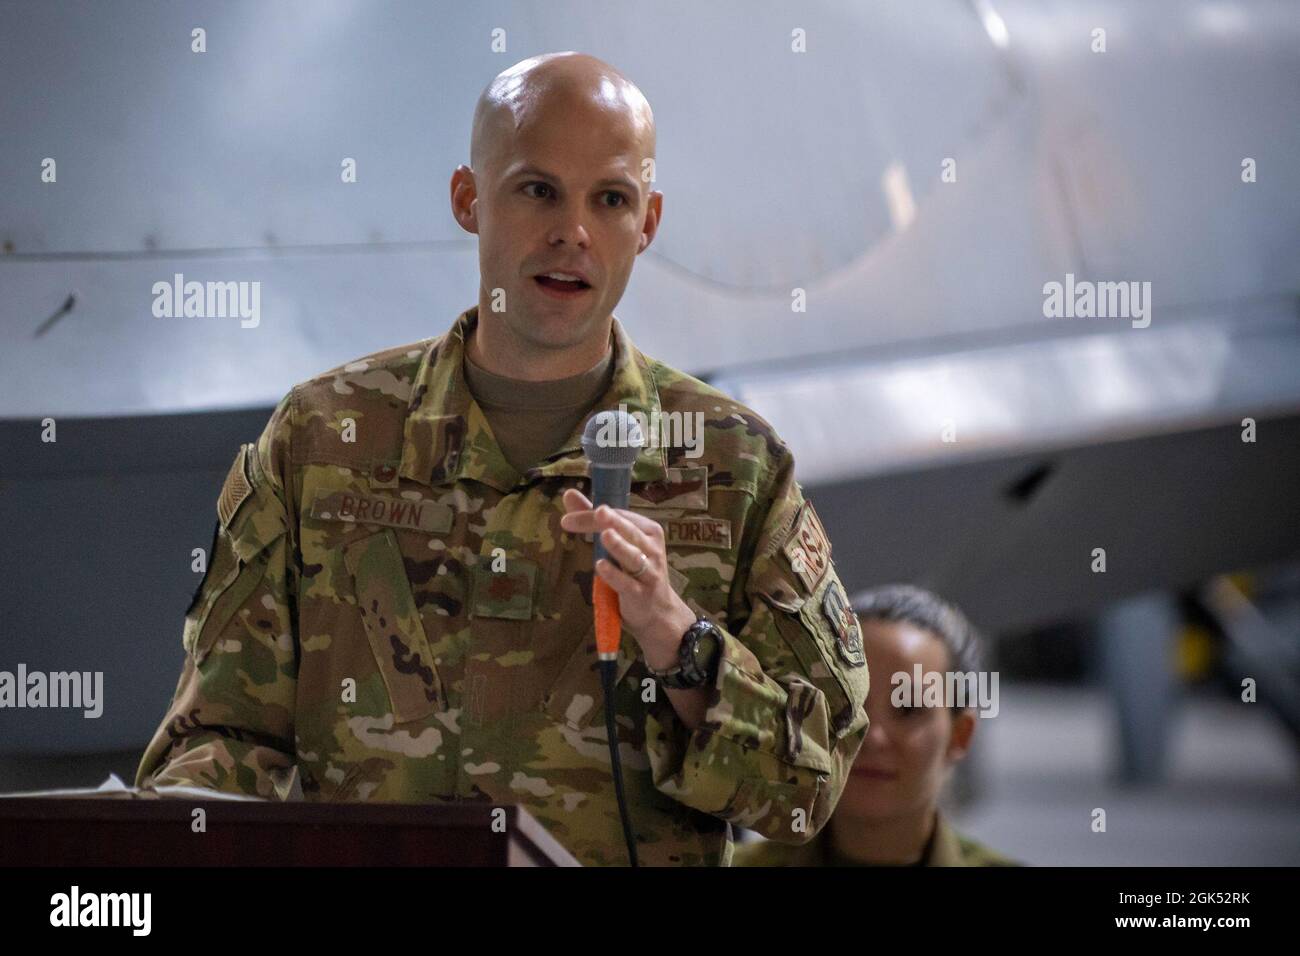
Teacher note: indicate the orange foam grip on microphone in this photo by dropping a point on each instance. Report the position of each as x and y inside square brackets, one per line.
[609, 622]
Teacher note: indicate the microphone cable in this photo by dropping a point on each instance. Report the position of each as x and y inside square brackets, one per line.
[610, 441]
[607, 669]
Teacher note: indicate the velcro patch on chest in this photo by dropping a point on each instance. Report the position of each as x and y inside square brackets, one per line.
[807, 548]
[686, 487]
[700, 532]
[504, 588]
[390, 510]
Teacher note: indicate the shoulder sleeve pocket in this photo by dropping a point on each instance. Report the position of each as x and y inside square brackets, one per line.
[249, 521]
[825, 637]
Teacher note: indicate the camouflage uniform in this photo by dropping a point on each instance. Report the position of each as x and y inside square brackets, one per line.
[414, 564]
[947, 847]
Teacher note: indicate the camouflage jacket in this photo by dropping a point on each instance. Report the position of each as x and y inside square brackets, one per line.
[392, 613]
[947, 847]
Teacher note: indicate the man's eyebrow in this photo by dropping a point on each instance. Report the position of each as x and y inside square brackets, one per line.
[625, 181]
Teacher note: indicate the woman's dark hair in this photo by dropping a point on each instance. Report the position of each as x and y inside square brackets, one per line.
[922, 609]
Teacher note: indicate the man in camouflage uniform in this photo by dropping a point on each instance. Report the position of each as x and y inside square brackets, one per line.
[395, 611]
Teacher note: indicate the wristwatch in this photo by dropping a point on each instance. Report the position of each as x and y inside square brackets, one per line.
[697, 657]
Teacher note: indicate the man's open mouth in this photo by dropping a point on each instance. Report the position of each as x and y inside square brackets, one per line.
[561, 282]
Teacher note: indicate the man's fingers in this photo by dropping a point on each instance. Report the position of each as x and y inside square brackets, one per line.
[607, 518]
[580, 522]
[642, 534]
[575, 500]
[620, 581]
[622, 524]
[588, 520]
[626, 553]
[647, 525]
[577, 516]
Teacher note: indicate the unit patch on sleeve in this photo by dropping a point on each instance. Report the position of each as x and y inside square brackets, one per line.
[835, 605]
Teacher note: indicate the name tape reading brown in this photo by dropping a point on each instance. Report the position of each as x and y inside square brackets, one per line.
[418, 515]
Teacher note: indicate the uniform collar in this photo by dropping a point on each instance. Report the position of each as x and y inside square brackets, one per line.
[944, 849]
[447, 437]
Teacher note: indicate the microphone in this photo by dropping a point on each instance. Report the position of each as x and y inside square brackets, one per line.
[610, 441]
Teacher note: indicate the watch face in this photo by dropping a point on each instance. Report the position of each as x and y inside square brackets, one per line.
[706, 650]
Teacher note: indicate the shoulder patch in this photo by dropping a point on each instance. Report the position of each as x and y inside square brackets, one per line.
[807, 548]
[835, 607]
[236, 489]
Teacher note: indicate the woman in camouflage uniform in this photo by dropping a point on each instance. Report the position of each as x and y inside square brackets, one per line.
[888, 813]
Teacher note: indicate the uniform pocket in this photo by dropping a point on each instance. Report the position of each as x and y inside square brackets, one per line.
[233, 575]
[249, 520]
[814, 635]
[393, 626]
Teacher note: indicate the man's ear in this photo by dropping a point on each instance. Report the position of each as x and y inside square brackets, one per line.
[654, 210]
[464, 198]
[963, 730]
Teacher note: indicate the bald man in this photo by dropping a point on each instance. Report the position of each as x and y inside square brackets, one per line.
[399, 601]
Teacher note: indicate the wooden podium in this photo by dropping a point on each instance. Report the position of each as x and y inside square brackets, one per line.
[72, 831]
